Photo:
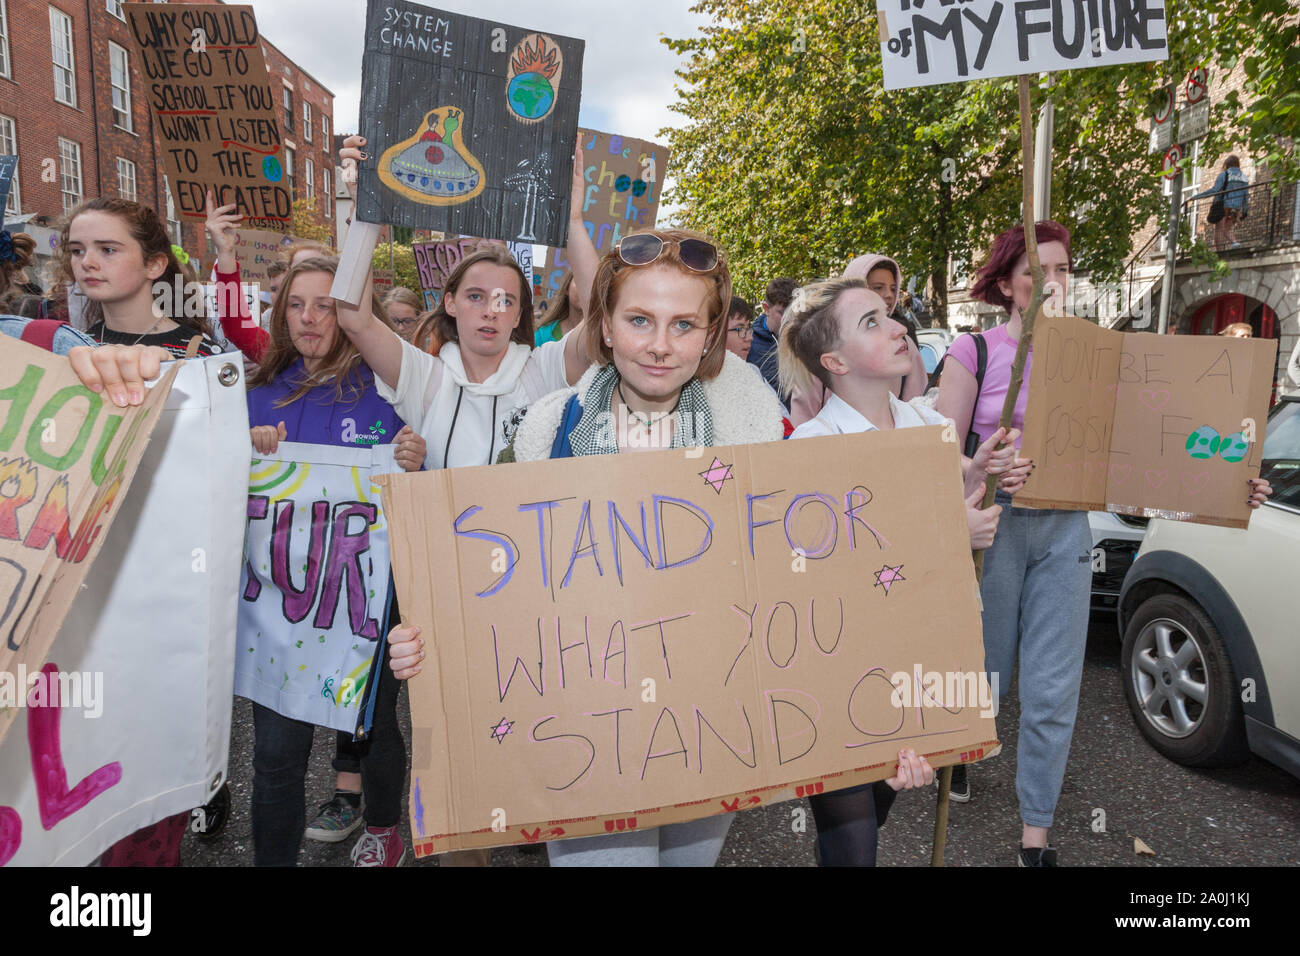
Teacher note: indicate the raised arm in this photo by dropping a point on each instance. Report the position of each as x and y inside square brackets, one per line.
[237, 322]
[380, 346]
[583, 260]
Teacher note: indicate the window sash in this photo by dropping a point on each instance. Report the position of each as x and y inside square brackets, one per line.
[61, 51]
[4, 39]
[126, 181]
[325, 191]
[120, 81]
[69, 173]
[9, 146]
[306, 121]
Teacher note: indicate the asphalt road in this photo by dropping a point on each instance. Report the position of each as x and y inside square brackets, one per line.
[1243, 816]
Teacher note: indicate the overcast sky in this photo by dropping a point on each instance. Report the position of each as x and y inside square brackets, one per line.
[627, 74]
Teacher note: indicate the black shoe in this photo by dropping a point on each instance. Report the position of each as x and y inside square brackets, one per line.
[1038, 856]
[959, 789]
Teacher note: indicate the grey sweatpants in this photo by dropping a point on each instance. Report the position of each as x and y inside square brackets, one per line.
[1036, 587]
[693, 843]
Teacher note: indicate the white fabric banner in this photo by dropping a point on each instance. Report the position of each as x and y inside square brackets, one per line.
[146, 653]
[315, 587]
[925, 44]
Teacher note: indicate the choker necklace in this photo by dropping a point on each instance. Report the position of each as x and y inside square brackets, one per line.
[148, 331]
[648, 421]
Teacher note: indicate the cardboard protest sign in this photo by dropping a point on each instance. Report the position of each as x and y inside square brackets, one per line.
[624, 183]
[305, 650]
[214, 109]
[470, 124]
[948, 43]
[642, 639]
[8, 166]
[134, 723]
[435, 262]
[256, 250]
[1166, 426]
[383, 280]
[67, 457]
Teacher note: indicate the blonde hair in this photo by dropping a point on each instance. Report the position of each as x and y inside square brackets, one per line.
[611, 273]
[403, 296]
[809, 330]
[343, 360]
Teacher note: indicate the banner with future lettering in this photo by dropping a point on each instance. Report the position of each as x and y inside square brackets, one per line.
[639, 639]
[215, 112]
[948, 42]
[129, 721]
[470, 124]
[314, 598]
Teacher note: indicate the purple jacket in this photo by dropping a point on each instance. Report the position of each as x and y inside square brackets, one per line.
[318, 418]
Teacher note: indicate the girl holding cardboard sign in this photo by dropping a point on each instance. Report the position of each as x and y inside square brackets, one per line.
[838, 338]
[1037, 574]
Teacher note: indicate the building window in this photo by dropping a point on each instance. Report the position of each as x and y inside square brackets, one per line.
[325, 130]
[126, 178]
[289, 158]
[120, 78]
[306, 121]
[288, 109]
[326, 195]
[70, 173]
[115, 7]
[9, 147]
[65, 80]
[4, 40]
[173, 223]
[309, 179]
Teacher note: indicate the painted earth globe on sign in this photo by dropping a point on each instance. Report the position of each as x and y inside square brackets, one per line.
[530, 95]
[1203, 443]
[1234, 447]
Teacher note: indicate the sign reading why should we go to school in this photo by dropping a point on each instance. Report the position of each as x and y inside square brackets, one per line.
[943, 41]
[1165, 426]
[215, 112]
[314, 598]
[624, 179]
[470, 124]
[67, 457]
[640, 639]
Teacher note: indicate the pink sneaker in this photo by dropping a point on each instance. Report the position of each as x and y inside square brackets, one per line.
[379, 846]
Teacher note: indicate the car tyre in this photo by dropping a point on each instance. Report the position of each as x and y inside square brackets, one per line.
[1180, 686]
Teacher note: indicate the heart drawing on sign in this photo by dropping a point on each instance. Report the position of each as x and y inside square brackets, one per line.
[1195, 484]
[1156, 478]
[1154, 399]
[1120, 473]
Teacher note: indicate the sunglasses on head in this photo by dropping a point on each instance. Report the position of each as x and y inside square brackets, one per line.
[640, 250]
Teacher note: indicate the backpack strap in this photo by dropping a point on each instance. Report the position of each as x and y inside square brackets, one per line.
[561, 448]
[41, 332]
[981, 366]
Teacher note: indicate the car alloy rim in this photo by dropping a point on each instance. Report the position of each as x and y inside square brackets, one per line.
[1170, 677]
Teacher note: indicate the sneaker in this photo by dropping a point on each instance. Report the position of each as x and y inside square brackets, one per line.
[336, 820]
[959, 789]
[379, 846]
[1038, 856]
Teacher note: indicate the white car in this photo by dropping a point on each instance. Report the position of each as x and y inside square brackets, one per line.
[1211, 654]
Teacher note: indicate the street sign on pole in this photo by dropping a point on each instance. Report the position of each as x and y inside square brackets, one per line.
[1162, 122]
[1172, 156]
[1193, 121]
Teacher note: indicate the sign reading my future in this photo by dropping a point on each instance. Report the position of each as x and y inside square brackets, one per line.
[211, 99]
[469, 124]
[949, 42]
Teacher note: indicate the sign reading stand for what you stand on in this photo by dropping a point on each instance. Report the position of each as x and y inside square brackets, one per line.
[928, 42]
[469, 124]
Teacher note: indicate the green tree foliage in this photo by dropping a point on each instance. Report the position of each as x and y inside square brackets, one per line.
[797, 159]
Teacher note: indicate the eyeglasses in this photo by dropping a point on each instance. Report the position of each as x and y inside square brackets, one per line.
[644, 248]
[743, 331]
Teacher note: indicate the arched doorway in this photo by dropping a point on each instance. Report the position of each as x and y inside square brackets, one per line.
[1214, 315]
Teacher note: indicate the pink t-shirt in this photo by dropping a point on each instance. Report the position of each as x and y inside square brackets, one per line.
[997, 378]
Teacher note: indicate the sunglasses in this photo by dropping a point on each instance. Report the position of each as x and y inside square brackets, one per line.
[640, 250]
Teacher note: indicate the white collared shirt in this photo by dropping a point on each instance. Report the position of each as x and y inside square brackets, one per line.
[838, 417]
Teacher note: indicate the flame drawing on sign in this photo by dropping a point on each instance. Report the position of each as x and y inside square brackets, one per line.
[434, 166]
[533, 81]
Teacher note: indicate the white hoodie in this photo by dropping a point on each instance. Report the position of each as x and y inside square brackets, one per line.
[463, 422]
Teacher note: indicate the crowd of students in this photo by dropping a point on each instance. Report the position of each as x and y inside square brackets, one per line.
[648, 336]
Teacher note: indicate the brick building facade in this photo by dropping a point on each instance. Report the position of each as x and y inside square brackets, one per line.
[74, 107]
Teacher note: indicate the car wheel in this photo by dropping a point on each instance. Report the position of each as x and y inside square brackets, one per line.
[1179, 684]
